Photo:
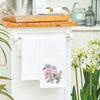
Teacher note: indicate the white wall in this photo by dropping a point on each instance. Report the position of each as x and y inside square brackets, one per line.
[69, 3]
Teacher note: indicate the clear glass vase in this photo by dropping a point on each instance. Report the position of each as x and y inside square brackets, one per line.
[90, 17]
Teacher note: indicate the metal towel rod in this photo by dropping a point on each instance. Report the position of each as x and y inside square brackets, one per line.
[18, 37]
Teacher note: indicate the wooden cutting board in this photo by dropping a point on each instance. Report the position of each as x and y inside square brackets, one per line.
[37, 18]
[41, 24]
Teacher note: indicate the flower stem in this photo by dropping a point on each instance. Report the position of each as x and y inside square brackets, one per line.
[81, 79]
[77, 83]
[90, 85]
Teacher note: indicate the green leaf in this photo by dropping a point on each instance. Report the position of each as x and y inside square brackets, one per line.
[6, 94]
[86, 77]
[57, 78]
[4, 41]
[87, 80]
[3, 77]
[4, 34]
[4, 31]
[46, 78]
[57, 82]
[74, 94]
[94, 93]
[85, 94]
[82, 95]
[98, 91]
[96, 78]
[95, 81]
[5, 89]
[3, 25]
[4, 55]
[2, 86]
[44, 68]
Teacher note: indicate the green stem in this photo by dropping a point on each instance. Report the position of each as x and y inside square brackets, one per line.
[77, 83]
[81, 78]
[90, 85]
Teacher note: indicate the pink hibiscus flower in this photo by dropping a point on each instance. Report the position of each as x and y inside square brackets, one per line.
[54, 67]
[47, 73]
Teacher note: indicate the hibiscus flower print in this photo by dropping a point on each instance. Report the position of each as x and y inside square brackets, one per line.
[54, 67]
[47, 73]
[51, 74]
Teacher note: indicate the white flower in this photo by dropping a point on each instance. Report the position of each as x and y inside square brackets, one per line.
[88, 59]
[77, 57]
[91, 59]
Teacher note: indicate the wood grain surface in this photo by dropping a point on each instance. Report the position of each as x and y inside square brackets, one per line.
[38, 18]
[41, 24]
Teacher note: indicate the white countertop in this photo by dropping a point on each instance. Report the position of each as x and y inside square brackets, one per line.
[85, 28]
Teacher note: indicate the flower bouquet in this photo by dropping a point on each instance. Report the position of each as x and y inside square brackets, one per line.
[51, 74]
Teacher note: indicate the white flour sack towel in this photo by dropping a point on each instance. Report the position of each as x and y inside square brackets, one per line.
[52, 61]
[30, 58]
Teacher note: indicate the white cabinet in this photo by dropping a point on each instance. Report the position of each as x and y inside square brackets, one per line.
[29, 90]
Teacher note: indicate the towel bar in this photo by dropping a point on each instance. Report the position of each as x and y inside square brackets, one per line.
[19, 37]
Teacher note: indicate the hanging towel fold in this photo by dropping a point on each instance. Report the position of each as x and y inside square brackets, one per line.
[56, 11]
[30, 58]
[52, 61]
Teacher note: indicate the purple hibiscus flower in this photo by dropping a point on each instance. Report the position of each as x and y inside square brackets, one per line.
[51, 79]
[47, 66]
